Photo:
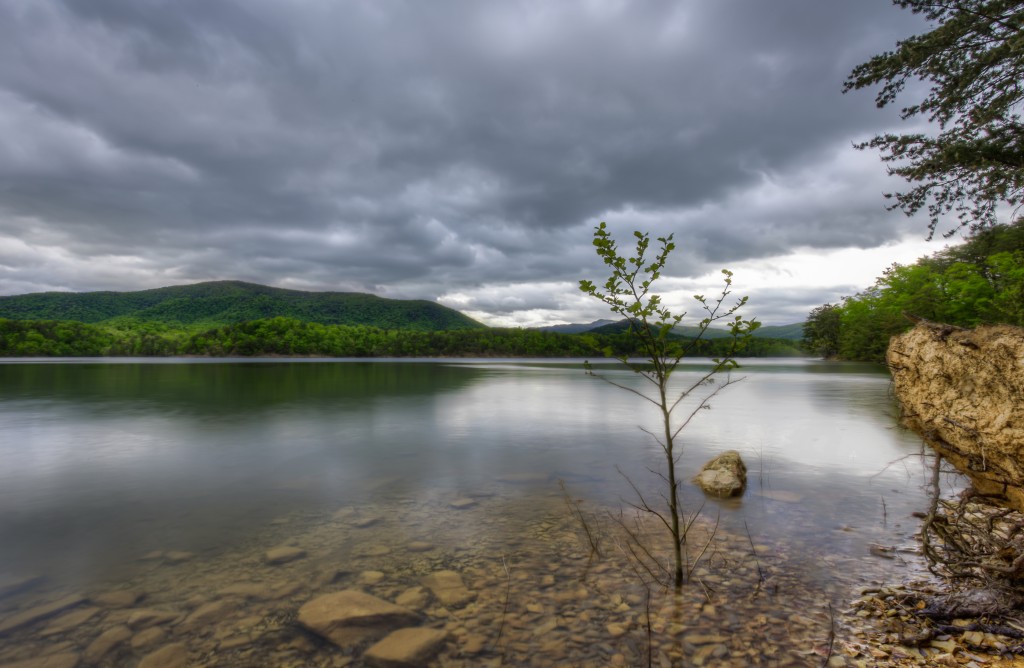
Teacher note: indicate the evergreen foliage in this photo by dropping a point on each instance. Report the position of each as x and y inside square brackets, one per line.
[974, 60]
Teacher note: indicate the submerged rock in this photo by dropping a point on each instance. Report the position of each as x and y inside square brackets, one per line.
[370, 578]
[146, 617]
[18, 585]
[448, 588]
[365, 522]
[348, 617]
[206, 614]
[39, 613]
[178, 556]
[414, 598]
[148, 638]
[122, 598]
[406, 647]
[168, 656]
[67, 622]
[284, 554]
[62, 660]
[724, 476]
[419, 546]
[249, 590]
[106, 641]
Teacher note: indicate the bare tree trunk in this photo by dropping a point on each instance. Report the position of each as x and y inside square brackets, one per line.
[673, 488]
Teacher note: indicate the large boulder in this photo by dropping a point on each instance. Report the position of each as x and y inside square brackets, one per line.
[963, 392]
[348, 617]
[724, 476]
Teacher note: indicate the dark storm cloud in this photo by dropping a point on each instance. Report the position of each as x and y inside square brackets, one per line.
[416, 149]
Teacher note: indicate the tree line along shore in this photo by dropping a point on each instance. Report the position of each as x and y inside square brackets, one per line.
[281, 336]
[979, 282]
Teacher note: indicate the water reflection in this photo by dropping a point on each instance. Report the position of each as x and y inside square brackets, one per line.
[104, 462]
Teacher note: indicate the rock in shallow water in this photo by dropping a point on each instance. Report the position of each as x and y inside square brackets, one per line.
[62, 660]
[123, 598]
[414, 598]
[724, 476]
[18, 585]
[168, 656]
[145, 617]
[448, 588]
[284, 554]
[406, 647]
[106, 641]
[347, 617]
[39, 613]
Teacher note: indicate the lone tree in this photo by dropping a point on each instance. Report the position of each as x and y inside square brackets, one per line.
[628, 292]
[974, 61]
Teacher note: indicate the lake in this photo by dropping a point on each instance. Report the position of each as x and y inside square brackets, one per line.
[130, 486]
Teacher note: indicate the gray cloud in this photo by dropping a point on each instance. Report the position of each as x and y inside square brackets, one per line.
[415, 149]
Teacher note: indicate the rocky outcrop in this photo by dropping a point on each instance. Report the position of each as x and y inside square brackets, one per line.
[724, 476]
[963, 392]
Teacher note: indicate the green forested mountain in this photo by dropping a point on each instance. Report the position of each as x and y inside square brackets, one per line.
[230, 318]
[793, 332]
[221, 303]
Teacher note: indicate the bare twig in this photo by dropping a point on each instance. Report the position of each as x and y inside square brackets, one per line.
[757, 562]
[577, 514]
[504, 609]
[831, 635]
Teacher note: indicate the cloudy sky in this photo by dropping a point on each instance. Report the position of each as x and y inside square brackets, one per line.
[457, 150]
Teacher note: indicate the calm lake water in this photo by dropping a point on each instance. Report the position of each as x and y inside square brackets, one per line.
[103, 462]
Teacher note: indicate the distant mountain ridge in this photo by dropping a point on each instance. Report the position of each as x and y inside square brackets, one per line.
[575, 328]
[794, 332]
[217, 303]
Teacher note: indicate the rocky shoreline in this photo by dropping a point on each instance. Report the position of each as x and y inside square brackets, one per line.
[471, 581]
